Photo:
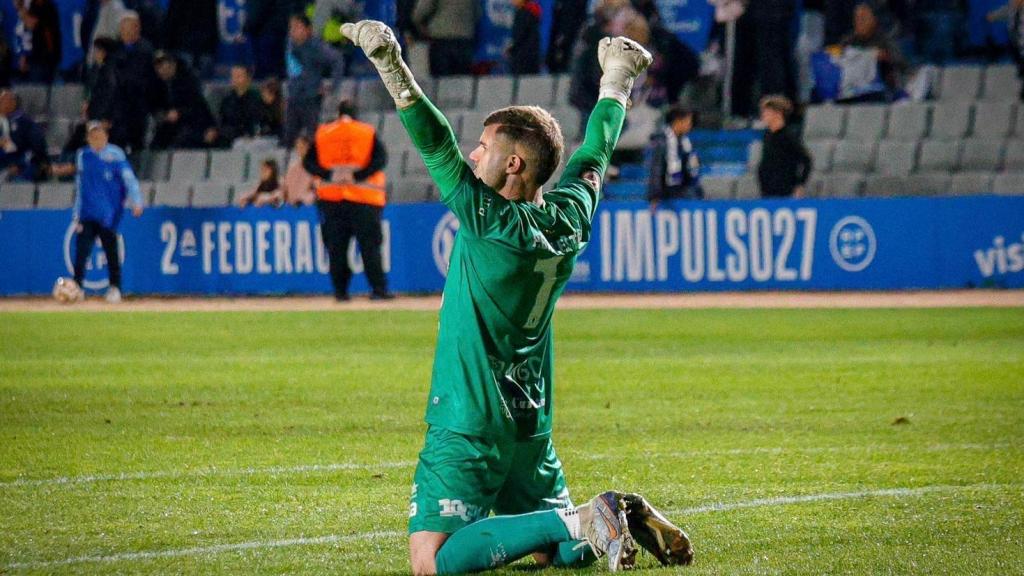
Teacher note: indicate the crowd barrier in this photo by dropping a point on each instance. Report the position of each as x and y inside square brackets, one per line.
[857, 244]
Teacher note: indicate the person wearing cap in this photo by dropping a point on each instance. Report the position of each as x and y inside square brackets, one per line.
[104, 181]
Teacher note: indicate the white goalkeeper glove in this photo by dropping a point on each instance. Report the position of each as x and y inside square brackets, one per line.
[379, 44]
[621, 60]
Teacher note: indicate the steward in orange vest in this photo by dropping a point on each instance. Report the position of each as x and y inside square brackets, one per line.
[346, 159]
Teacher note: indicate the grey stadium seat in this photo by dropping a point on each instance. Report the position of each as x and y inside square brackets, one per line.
[493, 92]
[1013, 157]
[454, 92]
[393, 132]
[937, 155]
[841, 185]
[17, 196]
[982, 154]
[413, 165]
[155, 165]
[469, 125]
[412, 189]
[882, 186]
[372, 96]
[58, 131]
[747, 188]
[865, 123]
[562, 84]
[1018, 130]
[993, 119]
[175, 194]
[967, 183]
[908, 122]
[66, 100]
[754, 155]
[230, 165]
[569, 119]
[824, 122]
[821, 152]
[188, 165]
[896, 158]
[718, 187]
[536, 90]
[853, 157]
[950, 120]
[56, 195]
[211, 194]
[1009, 183]
[1001, 83]
[146, 189]
[928, 184]
[960, 83]
[34, 99]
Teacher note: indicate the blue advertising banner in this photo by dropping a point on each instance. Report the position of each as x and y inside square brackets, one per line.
[690, 20]
[864, 244]
[494, 31]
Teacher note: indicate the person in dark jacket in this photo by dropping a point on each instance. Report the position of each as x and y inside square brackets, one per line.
[190, 31]
[241, 112]
[104, 102]
[22, 145]
[182, 112]
[785, 163]
[568, 17]
[309, 62]
[523, 53]
[675, 65]
[266, 24]
[675, 166]
[40, 64]
[137, 81]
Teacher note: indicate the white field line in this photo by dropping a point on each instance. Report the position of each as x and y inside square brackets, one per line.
[346, 466]
[379, 535]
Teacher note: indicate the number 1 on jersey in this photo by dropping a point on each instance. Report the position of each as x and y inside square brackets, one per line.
[549, 268]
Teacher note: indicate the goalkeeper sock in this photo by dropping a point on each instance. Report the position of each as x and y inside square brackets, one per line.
[496, 541]
[573, 554]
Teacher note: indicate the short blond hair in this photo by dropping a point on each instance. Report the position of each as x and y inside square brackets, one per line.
[778, 103]
[537, 130]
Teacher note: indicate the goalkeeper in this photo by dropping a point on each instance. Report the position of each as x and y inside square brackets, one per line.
[488, 443]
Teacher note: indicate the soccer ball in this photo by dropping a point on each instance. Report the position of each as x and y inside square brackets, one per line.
[67, 291]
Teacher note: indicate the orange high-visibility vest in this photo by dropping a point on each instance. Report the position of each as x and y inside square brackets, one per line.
[347, 143]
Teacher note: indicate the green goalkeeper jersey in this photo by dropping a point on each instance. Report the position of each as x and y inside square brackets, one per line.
[492, 373]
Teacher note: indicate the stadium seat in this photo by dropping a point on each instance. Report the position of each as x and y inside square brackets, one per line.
[960, 83]
[938, 156]
[747, 188]
[230, 165]
[754, 155]
[17, 196]
[373, 96]
[1009, 183]
[865, 123]
[66, 100]
[982, 154]
[392, 131]
[563, 82]
[188, 165]
[1018, 129]
[155, 165]
[56, 195]
[569, 119]
[211, 194]
[454, 92]
[1013, 157]
[967, 183]
[146, 189]
[883, 186]
[927, 184]
[842, 185]
[413, 165]
[854, 156]
[821, 152]
[469, 125]
[718, 187]
[493, 92]
[174, 194]
[993, 119]
[1001, 83]
[896, 158]
[412, 189]
[34, 100]
[813, 188]
[58, 131]
[536, 90]
[950, 120]
[908, 122]
[824, 122]
[256, 157]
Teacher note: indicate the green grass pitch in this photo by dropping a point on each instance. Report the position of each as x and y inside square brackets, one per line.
[786, 442]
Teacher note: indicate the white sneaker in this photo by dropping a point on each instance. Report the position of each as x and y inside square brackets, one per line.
[113, 295]
[621, 60]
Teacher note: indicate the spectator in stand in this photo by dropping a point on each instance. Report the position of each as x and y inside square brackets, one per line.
[267, 24]
[936, 27]
[40, 64]
[268, 191]
[523, 54]
[298, 182]
[450, 27]
[785, 163]
[107, 20]
[182, 112]
[272, 122]
[310, 61]
[675, 65]
[1014, 13]
[867, 34]
[241, 111]
[104, 102]
[190, 31]
[139, 85]
[71, 14]
[568, 18]
[675, 166]
[765, 54]
[22, 145]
